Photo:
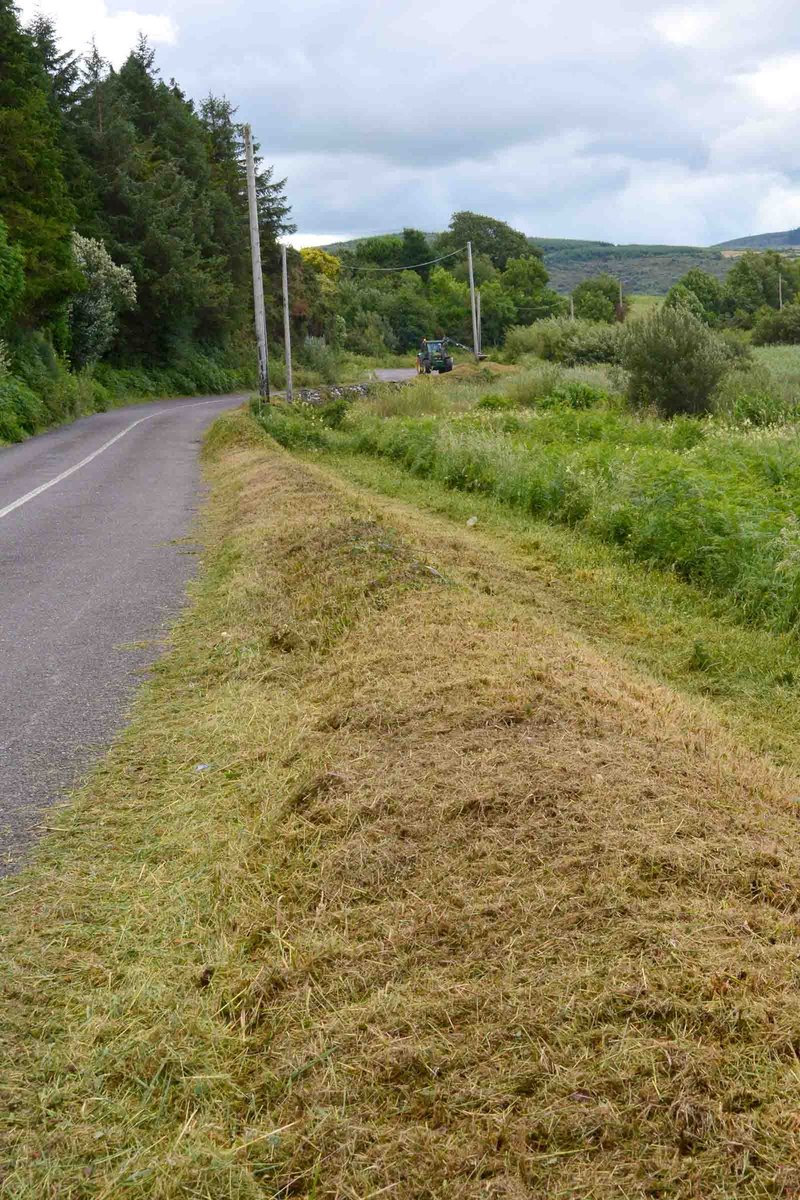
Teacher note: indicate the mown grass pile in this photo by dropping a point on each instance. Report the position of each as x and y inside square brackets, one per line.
[714, 502]
[394, 887]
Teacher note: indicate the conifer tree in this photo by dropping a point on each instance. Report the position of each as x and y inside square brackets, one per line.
[33, 197]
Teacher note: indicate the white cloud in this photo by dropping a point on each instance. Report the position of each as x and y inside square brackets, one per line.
[779, 207]
[685, 26]
[114, 31]
[776, 82]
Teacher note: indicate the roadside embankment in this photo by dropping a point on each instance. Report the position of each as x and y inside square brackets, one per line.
[396, 887]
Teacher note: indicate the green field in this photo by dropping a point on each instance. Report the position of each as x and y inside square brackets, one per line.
[711, 502]
[642, 305]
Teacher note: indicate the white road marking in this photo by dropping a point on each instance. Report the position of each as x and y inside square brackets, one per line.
[9, 508]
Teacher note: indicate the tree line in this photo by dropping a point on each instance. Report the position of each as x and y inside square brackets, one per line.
[123, 221]
[386, 293]
[761, 293]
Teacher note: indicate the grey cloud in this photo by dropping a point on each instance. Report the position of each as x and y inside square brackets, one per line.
[554, 115]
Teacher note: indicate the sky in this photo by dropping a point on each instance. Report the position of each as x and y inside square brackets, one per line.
[623, 121]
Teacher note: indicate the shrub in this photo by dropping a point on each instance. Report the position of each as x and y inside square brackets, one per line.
[778, 327]
[298, 427]
[94, 312]
[674, 362]
[322, 358]
[496, 403]
[680, 296]
[12, 276]
[573, 393]
[531, 386]
[333, 412]
[21, 410]
[563, 341]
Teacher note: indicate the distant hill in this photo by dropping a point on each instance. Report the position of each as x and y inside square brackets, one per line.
[644, 269]
[785, 240]
[651, 270]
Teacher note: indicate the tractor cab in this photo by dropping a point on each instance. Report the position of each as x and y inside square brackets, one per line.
[433, 356]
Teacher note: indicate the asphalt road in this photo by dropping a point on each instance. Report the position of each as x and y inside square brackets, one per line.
[395, 374]
[90, 576]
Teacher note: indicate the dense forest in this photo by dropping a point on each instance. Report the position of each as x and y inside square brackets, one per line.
[124, 254]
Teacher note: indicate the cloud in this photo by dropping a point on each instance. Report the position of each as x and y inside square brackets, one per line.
[630, 120]
[776, 83]
[115, 32]
[685, 26]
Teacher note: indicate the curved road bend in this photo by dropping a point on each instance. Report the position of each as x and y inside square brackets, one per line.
[88, 567]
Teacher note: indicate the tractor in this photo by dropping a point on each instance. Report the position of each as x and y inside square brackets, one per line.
[433, 356]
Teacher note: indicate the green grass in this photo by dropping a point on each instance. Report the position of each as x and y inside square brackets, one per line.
[642, 306]
[783, 363]
[457, 901]
[714, 505]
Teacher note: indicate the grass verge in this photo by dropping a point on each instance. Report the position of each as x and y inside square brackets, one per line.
[394, 886]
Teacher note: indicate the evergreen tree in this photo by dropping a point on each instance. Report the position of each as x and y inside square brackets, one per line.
[12, 278]
[33, 197]
[228, 211]
[62, 67]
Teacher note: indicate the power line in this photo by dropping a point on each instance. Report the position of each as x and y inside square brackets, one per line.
[411, 267]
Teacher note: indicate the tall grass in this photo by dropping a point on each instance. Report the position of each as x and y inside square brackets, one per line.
[716, 505]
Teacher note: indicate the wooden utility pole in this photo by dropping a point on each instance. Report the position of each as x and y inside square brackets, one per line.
[571, 309]
[258, 282]
[480, 327]
[287, 328]
[780, 291]
[475, 346]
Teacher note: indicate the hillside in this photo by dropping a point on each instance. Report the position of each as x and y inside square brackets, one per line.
[786, 239]
[649, 269]
[642, 268]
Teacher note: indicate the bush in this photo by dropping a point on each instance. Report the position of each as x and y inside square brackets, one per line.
[94, 312]
[299, 427]
[560, 340]
[496, 403]
[322, 358]
[598, 299]
[333, 412]
[778, 327]
[21, 410]
[674, 362]
[575, 394]
[539, 391]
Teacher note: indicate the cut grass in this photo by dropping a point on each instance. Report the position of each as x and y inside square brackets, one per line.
[650, 618]
[456, 906]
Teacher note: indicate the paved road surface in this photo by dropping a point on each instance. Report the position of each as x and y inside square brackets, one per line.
[395, 374]
[87, 567]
